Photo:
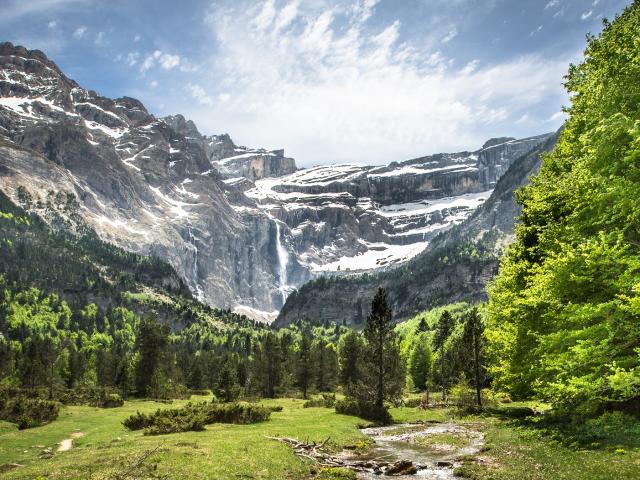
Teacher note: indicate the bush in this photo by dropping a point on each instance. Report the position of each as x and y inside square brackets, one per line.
[412, 402]
[364, 410]
[28, 412]
[194, 417]
[327, 400]
[138, 421]
[112, 400]
[201, 392]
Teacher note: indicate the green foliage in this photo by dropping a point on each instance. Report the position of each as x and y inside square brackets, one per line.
[420, 362]
[27, 412]
[325, 400]
[383, 371]
[363, 409]
[564, 310]
[194, 417]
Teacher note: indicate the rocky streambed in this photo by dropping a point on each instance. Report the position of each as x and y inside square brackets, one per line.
[429, 450]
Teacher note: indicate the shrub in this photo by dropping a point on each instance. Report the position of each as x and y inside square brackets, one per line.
[112, 400]
[367, 411]
[28, 412]
[412, 402]
[138, 421]
[194, 417]
[327, 400]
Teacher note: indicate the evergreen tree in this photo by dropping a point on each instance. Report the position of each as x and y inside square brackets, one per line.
[349, 353]
[473, 341]
[268, 364]
[305, 365]
[444, 328]
[151, 343]
[227, 386]
[420, 362]
[383, 369]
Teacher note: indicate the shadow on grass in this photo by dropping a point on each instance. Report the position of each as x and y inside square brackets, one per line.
[611, 430]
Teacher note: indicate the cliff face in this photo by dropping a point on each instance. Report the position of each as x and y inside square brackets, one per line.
[455, 266]
[144, 183]
[242, 226]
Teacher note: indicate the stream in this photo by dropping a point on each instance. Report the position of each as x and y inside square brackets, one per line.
[434, 448]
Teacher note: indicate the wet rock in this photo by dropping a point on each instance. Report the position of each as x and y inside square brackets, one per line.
[444, 464]
[402, 467]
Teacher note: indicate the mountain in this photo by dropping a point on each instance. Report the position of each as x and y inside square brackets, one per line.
[455, 266]
[243, 227]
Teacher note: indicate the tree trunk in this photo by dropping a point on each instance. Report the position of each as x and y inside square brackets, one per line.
[476, 359]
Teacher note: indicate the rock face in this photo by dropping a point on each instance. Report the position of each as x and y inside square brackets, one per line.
[455, 266]
[242, 226]
[144, 183]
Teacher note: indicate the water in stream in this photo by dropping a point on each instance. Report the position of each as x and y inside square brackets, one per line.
[406, 442]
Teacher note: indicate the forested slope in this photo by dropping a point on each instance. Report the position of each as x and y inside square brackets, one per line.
[455, 267]
[565, 308]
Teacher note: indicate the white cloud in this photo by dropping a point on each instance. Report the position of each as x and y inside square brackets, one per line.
[153, 84]
[523, 119]
[165, 60]
[331, 87]
[169, 61]
[199, 94]
[136, 38]
[100, 41]
[79, 32]
[557, 116]
[586, 15]
[132, 58]
[453, 33]
[551, 4]
[52, 24]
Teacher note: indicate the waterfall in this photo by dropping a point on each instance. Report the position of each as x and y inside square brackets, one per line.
[194, 271]
[283, 260]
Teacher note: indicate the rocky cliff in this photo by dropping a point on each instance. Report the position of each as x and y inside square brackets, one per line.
[242, 226]
[455, 266]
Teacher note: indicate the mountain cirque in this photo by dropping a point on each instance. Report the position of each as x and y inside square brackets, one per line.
[243, 226]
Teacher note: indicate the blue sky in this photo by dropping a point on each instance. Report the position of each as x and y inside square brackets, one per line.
[361, 81]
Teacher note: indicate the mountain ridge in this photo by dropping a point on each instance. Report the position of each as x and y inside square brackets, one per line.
[242, 226]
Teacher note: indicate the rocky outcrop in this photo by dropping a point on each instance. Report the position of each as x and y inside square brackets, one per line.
[456, 265]
[144, 183]
[243, 226]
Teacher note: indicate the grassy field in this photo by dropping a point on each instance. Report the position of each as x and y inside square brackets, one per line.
[108, 450]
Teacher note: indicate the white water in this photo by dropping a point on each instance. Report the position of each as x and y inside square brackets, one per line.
[194, 272]
[283, 260]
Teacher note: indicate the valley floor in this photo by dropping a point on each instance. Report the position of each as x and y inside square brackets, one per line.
[107, 450]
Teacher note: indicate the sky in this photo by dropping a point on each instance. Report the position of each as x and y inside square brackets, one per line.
[330, 81]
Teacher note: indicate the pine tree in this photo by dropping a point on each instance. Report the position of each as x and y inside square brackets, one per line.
[227, 387]
[444, 328]
[349, 353]
[420, 362]
[383, 368]
[305, 365]
[472, 339]
[151, 343]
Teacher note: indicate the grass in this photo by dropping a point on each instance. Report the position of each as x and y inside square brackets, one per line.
[514, 449]
[445, 439]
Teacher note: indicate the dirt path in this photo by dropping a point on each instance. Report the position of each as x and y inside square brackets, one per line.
[67, 443]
